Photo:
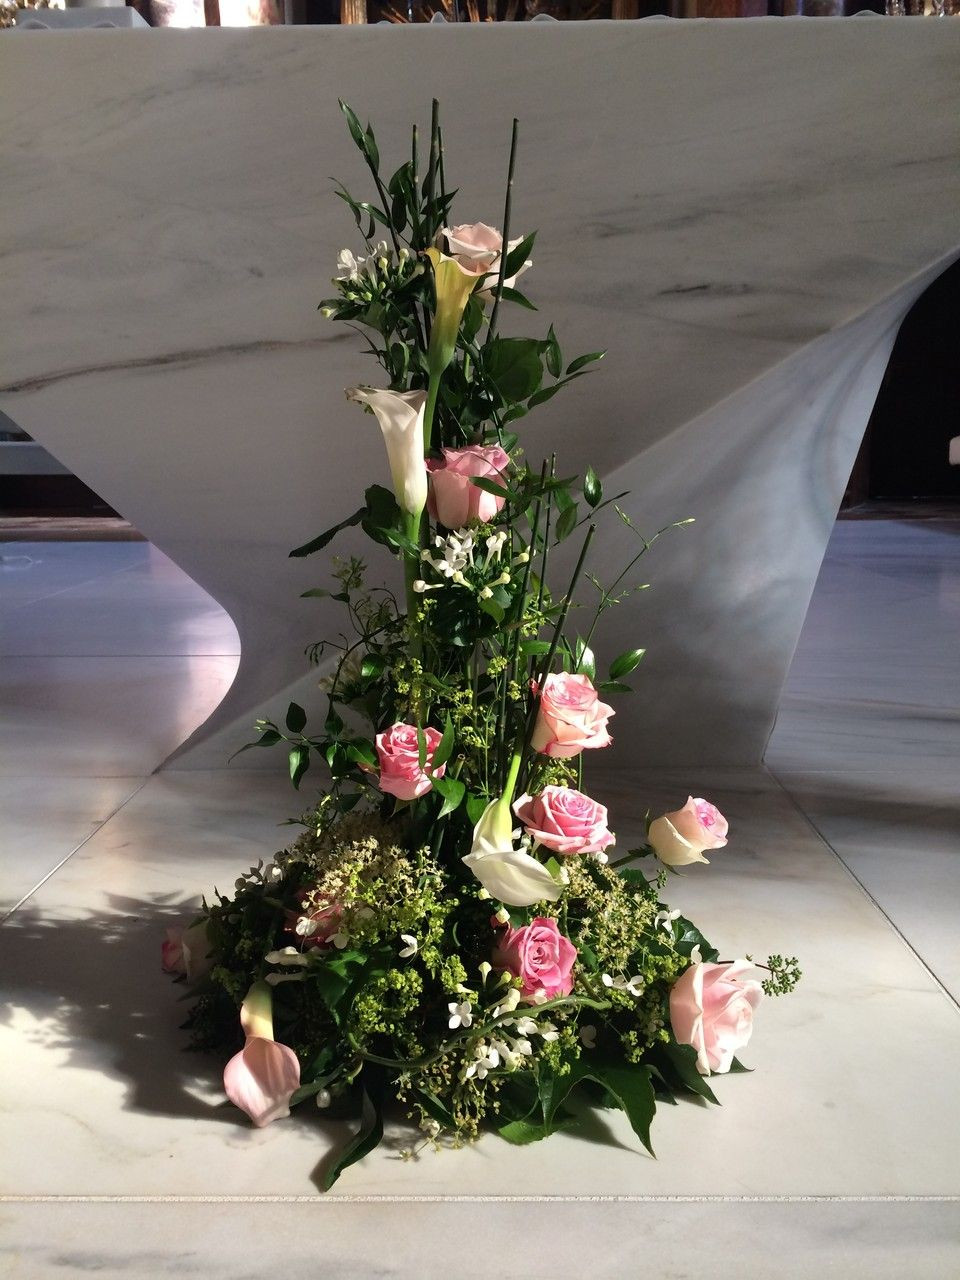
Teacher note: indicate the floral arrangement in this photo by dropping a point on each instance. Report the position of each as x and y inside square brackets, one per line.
[450, 931]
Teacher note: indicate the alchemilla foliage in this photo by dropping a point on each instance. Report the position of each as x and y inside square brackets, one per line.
[450, 930]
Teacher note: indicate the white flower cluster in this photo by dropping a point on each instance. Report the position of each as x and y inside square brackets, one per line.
[460, 553]
[358, 277]
[510, 1042]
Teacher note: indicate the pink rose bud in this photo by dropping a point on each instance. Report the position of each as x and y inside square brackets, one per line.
[711, 1008]
[477, 248]
[570, 717]
[565, 821]
[452, 498]
[680, 837]
[261, 1079]
[540, 956]
[184, 950]
[399, 754]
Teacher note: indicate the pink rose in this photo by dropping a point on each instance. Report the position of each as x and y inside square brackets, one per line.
[565, 821]
[540, 956]
[711, 1008]
[453, 499]
[571, 717]
[477, 249]
[399, 754]
[680, 838]
[184, 950]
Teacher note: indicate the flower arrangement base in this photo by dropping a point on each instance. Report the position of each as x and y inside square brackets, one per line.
[456, 931]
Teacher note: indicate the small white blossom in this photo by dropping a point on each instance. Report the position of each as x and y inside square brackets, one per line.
[486, 968]
[410, 947]
[502, 916]
[665, 919]
[305, 927]
[548, 1030]
[588, 1036]
[635, 986]
[348, 265]
[602, 858]
[525, 1026]
[339, 940]
[486, 1060]
[287, 955]
[324, 1098]
[695, 956]
[430, 1127]
[461, 1015]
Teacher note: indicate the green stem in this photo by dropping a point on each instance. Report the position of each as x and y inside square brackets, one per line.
[433, 390]
[532, 1011]
[505, 241]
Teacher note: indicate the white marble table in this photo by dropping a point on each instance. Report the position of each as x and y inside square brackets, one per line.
[741, 212]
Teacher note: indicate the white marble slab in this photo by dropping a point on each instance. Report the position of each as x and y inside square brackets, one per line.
[868, 734]
[558, 1241]
[741, 212]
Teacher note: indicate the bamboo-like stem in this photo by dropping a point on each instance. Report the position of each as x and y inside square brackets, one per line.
[505, 241]
[430, 186]
[510, 673]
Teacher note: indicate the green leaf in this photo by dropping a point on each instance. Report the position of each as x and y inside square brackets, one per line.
[513, 366]
[737, 1067]
[522, 1132]
[583, 659]
[296, 718]
[421, 747]
[581, 361]
[317, 544]
[299, 764]
[613, 686]
[566, 523]
[361, 751]
[680, 1061]
[317, 593]
[452, 790]
[631, 1088]
[518, 256]
[626, 663]
[372, 666]
[592, 488]
[367, 1137]
[514, 295]
[491, 486]
[554, 356]
[354, 125]
[444, 746]
[475, 807]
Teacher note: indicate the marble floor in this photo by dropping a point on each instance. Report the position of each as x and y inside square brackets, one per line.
[837, 1157]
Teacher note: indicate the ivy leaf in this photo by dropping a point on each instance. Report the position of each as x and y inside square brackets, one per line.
[592, 488]
[296, 718]
[299, 764]
[626, 663]
[367, 1137]
[318, 543]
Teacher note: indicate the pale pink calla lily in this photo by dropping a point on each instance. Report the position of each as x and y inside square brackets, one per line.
[264, 1075]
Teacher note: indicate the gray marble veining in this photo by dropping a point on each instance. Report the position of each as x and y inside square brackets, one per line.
[740, 212]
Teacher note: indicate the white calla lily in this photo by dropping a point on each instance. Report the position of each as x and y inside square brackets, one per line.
[508, 874]
[400, 414]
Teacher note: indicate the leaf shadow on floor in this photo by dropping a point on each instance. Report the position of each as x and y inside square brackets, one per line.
[98, 1000]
